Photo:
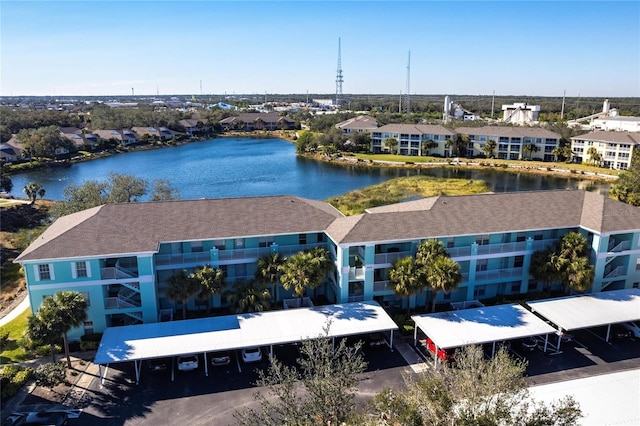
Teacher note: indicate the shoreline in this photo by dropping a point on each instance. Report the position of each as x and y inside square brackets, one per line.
[470, 164]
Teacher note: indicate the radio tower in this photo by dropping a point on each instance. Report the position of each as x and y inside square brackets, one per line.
[339, 79]
[407, 94]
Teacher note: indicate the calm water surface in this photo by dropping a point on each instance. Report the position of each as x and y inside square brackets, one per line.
[238, 167]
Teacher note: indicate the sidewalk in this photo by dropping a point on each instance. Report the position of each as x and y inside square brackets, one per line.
[15, 312]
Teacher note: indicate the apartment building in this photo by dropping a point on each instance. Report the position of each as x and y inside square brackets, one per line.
[510, 141]
[413, 139]
[613, 149]
[120, 256]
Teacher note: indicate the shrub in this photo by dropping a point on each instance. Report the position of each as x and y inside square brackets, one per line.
[12, 379]
[89, 346]
[91, 337]
[405, 324]
[4, 339]
[51, 374]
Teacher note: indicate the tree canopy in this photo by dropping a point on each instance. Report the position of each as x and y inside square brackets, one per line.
[627, 187]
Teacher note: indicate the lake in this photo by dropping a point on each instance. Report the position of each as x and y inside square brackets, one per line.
[238, 167]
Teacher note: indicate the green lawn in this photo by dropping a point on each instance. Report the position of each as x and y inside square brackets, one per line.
[487, 161]
[13, 352]
[399, 189]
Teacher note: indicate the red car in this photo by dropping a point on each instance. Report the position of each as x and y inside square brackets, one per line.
[443, 354]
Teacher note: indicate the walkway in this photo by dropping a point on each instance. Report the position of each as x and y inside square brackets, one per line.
[15, 312]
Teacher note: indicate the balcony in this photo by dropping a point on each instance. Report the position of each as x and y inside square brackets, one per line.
[382, 286]
[459, 251]
[498, 273]
[391, 257]
[356, 273]
[502, 248]
[183, 258]
[612, 273]
[615, 246]
[120, 302]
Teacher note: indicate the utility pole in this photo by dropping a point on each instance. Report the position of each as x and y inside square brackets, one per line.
[339, 78]
[564, 93]
[407, 100]
[493, 102]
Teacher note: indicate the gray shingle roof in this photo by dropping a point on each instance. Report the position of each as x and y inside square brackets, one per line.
[429, 129]
[139, 227]
[509, 131]
[632, 138]
[492, 213]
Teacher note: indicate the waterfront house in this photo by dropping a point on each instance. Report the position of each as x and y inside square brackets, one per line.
[195, 125]
[358, 124]
[251, 121]
[12, 151]
[123, 136]
[157, 133]
[614, 149]
[120, 256]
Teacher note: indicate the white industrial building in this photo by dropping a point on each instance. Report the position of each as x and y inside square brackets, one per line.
[520, 113]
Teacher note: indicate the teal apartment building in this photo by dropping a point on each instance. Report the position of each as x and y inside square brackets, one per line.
[120, 256]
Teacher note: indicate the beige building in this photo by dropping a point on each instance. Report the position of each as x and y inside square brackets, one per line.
[613, 149]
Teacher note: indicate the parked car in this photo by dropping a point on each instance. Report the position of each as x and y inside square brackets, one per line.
[376, 340]
[618, 332]
[443, 354]
[220, 359]
[528, 344]
[633, 326]
[39, 418]
[187, 363]
[567, 337]
[158, 364]
[253, 354]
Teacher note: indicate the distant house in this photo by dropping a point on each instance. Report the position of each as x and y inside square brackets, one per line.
[194, 125]
[160, 133]
[124, 136]
[413, 139]
[359, 124]
[12, 150]
[251, 121]
[78, 138]
[614, 148]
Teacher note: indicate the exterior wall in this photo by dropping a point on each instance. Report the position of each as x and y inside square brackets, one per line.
[613, 155]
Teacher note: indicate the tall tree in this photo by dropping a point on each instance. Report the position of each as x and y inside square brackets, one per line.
[544, 267]
[125, 188]
[6, 184]
[297, 273]
[39, 331]
[474, 391]
[249, 296]
[443, 275]
[627, 187]
[43, 141]
[210, 280]
[427, 146]
[407, 279]
[269, 270]
[594, 155]
[320, 391]
[32, 189]
[163, 191]
[391, 144]
[181, 288]
[57, 316]
[529, 150]
[489, 148]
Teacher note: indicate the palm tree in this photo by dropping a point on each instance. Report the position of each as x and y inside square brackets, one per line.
[210, 280]
[249, 296]
[269, 271]
[181, 288]
[443, 274]
[572, 246]
[322, 264]
[297, 273]
[428, 146]
[529, 149]
[391, 144]
[594, 155]
[40, 331]
[544, 267]
[32, 189]
[56, 316]
[489, 148]
[578, 274]
[406, 278]
[428, 251]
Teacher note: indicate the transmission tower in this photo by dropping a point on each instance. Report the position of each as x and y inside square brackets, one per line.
[339, 79]
[407, 93]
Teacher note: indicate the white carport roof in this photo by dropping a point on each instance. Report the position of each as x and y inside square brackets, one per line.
[454, 329]
[590, 310]
[157, 340]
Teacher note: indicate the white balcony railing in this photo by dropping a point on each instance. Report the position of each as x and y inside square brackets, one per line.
[502, 248]
[615, 272]
[119, 303]
[391, 257]
[498, 273]
[356, 273]
[116, 273]
[382, 286]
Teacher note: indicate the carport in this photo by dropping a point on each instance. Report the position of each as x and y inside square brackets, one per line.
[489, 324]
[590, 310]
[189, 337]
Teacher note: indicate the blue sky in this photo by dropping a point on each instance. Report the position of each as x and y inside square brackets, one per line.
[588, 48]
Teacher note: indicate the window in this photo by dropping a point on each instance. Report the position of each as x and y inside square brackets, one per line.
[537, 236]
[479, 291]
[80, 269]
[518, 261]
[515, 287]
[520, 237]
[638, 264]
[482, 240]
[265, 241]
[196, 246]
[481, 265]
[239, 243]
[88, 327]
[320, 237]
[450, 242]
[302, 239]
[43, 272]
[219, 244]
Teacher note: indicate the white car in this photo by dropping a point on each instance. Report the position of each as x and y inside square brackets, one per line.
[187, 363]
[633, 326]
[252, 354]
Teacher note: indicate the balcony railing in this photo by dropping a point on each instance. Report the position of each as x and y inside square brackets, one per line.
[391, 257]
[359, 298]
[382, 286]
[182, 258]
[459, 251]
[502, 248]
[615, 272]
[498, 273]
[119, 303]
[116, 273]
[356, 273]
[621, 246]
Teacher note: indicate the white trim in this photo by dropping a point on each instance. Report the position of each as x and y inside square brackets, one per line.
[88, 267]
[74, 270]
[36, 271]
[52, 275]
